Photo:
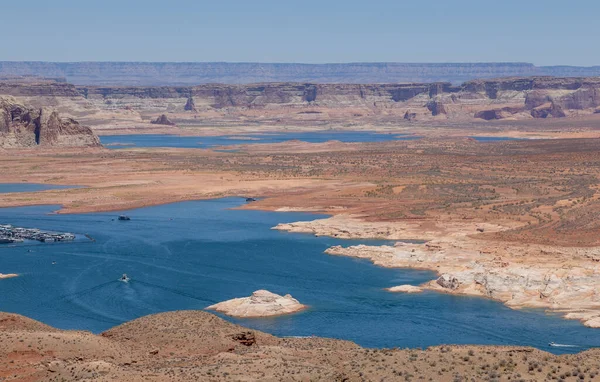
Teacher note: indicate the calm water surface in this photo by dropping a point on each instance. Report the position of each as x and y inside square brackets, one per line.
[192, 254]
[161, 140]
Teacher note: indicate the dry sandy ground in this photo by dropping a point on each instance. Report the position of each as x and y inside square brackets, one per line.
[197, 346]
[135, 178]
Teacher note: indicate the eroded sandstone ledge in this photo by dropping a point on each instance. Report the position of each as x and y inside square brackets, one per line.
[25, 126]
[562, 279]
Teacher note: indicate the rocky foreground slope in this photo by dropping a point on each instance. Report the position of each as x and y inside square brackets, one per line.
[198, 346]
[24, 126]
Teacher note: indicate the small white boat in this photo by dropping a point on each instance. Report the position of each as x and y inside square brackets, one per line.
[124, 278]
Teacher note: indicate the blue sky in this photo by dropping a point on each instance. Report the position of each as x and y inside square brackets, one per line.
[546, 32]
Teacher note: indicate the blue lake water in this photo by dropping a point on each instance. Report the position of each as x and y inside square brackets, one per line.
[192, 254]
[29, 187]
[162, 140]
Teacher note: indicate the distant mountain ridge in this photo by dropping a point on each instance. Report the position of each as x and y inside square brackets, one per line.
[194, 73]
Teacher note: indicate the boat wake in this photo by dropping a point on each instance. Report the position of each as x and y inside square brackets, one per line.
[553, 344]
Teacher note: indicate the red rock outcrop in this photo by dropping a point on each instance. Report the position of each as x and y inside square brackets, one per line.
[537, 97]
[546, 110]
[190, 105]
[22, 126]
[163, 120]
[410, 116]
[498, 113]
[436, 107]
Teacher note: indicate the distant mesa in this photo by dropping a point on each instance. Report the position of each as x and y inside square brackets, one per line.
[262, 303]
[163, 120]
[24, 126]
[193, 73]
[304, 102]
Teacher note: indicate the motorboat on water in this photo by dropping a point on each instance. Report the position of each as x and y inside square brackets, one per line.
[124, 278]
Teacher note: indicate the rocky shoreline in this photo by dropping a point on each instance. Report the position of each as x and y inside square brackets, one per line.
[560, 279]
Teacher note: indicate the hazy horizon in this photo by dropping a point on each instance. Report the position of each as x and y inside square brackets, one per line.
[307, 63]
[311, 32]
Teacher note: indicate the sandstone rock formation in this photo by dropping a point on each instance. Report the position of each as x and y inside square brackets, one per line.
[537, 97]
[22, 126]
[520, 281]
[410, 116]
[546, 110]
[436, 107]
[8, 275]
[163, 120]
[405, 289]
[563, 279]
[498, 113]
[262, 303]
[448, 282]
[190, 105]
[318, 104]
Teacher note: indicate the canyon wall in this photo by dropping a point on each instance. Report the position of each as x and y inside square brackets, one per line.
[274, 102]
[532, 97]
[23, 126]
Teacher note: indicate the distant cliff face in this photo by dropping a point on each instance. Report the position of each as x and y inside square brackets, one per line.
[170, 73]
[22, 126]
[515, 97]
[264, 94]
[522, 94]
[38, 89]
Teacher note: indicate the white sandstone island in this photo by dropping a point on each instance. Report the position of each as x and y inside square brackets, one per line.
[405, 289]
[262, 303]
[7, 275]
